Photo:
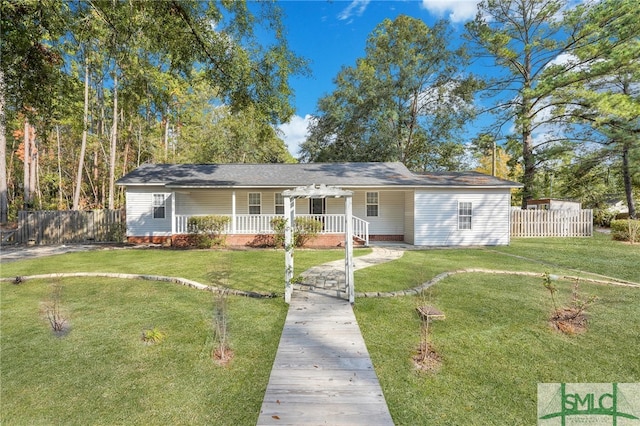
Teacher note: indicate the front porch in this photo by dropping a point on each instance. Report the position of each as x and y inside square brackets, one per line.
[260, 224]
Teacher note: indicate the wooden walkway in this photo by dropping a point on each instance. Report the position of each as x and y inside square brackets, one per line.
[322, 374]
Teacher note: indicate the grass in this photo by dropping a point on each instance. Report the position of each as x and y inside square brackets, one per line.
[103, 363]
[103, 373]
[597, 255]
[495, 344]
[251, 270]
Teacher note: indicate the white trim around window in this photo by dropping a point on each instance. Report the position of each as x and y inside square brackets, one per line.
[278, 202]
[465, 215]
[372, 204]
[159, 205]
[255, 203]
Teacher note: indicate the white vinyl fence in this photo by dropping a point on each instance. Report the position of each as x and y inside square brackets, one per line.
[551, 223]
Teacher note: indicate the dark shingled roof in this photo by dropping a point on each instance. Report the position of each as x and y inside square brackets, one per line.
[300, 174]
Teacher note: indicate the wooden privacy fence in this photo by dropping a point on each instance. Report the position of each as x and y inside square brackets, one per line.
[551, 223]
[70, 226]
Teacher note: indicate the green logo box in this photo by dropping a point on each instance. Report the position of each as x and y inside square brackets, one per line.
[568, 404]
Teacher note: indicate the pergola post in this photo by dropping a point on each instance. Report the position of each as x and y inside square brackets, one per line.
[289, 216]
[320, 191]
[348, 247]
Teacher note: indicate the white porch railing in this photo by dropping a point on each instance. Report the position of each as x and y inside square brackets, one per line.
[261, 224]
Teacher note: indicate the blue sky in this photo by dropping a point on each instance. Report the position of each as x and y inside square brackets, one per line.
[332, 34]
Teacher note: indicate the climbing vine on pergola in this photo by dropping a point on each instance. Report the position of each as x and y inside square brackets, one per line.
[319, 191]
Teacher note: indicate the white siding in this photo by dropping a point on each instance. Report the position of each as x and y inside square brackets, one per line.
[140, 221]
[335, 205]
[436, 217]
[409, 217]
[390, 219]
[565, 205]
[219, 201]
[203, 202]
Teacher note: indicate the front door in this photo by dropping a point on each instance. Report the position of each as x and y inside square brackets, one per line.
[317, 206]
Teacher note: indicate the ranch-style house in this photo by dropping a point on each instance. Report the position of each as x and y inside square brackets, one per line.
[390, 203]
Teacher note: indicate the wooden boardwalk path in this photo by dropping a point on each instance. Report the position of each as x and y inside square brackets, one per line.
[322, 374]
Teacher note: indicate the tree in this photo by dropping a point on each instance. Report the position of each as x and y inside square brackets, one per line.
[404, 101]
[29, 64]
[54, 52]
[601, 87]
[523, 37]
[493, 159]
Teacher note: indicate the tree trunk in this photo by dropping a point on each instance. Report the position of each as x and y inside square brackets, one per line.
[26, 164]
[4, 197]
[528, 161]
[114, 139]
[493, 158]
[166, 137]
[83, 146]
[127, 147]
[626, 176]
[60, 197]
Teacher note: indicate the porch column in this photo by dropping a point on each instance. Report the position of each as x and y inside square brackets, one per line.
[173, 213]
[289, 214]
[233, 212]
[348, 246]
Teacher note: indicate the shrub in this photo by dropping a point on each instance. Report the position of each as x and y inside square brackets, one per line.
[626, 230]
[305, 228]
[207, 224]
[222, 352]
[201, 241]
[117, 232]
[603, 217]
[278, 224]
[53, 310]
[207, 231]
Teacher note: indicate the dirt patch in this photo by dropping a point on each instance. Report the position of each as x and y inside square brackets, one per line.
[569, 321]
[222, 357]
[427, 359]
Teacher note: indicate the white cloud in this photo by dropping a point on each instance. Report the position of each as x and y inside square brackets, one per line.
[356, 7]
[455, 10]
[295, 132]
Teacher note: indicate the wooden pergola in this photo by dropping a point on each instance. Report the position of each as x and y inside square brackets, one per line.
[317, 191]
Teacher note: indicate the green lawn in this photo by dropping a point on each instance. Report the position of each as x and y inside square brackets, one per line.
[495, 344]
[102, 373]
[251, 270]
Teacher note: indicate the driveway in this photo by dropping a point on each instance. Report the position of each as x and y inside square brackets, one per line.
[13, 253]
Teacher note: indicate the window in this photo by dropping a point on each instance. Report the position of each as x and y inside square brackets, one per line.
[279, 203]
[158, 206]
[465, 213]
[372, 204]
[254, 203]
[317, 205]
